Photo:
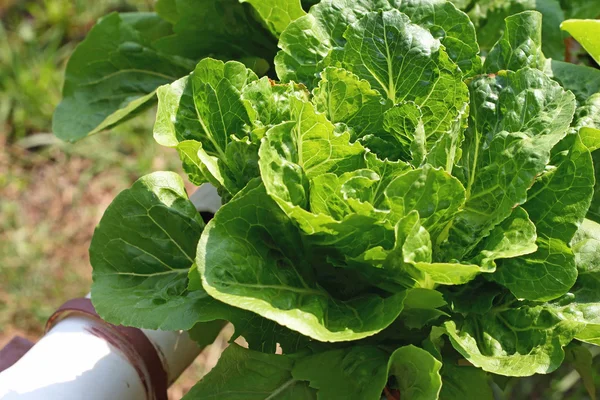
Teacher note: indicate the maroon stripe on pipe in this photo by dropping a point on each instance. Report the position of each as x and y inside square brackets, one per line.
[136, 346]
[13, 351]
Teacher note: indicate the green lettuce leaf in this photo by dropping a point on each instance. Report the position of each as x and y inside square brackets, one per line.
[557, 204]
[594, 211]
[142, 253]
[581, 359]
[514, 237]
[513, 340]
[451, 27]
[586, 244]
[268, 271]
[298, 151]
[411, 65]
[243, 374]
[361, 191]
[269, 103]
[422, 307]
[277, 14]
[355, 212]
[410, 262]
[433, 193]
[97, 92]
[461, 382]
[520, 45]
[416, 373]
[228, 30]
[304, 45]
[191, 163]
[130, 264]
[207, 108]
[345, 98]
[582, 304]
[361, 372]
[552, 38]
[167, 9]
[488, 17]
[406, 138]
[308, 40]
[354, 373]
[205, 333]
[516, 119]
[587, 115]
[582, 80]
[306, 146]
[153, 50]
[446, 152]
[586, 33]
[181, 125]
[587, 123]
[460, 298]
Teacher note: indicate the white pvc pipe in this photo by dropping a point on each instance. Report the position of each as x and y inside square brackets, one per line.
[206, 198]
[70, 362]
[176, 350]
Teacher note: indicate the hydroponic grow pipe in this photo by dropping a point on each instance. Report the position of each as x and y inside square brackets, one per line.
[83, 357]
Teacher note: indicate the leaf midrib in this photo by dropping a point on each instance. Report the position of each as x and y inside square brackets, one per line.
[168, 78]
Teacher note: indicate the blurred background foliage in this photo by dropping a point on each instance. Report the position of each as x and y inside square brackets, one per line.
[52, 194]
[36, 39]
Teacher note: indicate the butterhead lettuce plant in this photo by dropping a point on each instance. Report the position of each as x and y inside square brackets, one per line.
[403, 214]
